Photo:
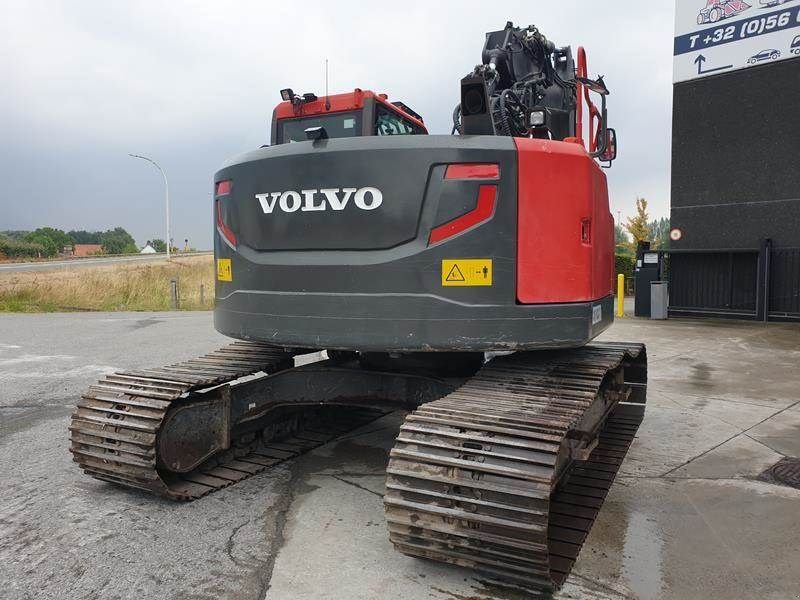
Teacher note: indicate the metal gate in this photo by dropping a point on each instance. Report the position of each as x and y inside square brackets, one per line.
[784, 285]
[756, 283]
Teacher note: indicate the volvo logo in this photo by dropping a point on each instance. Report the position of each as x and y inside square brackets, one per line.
[365, 198]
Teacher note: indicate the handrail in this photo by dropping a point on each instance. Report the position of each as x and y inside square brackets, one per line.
[595, 116]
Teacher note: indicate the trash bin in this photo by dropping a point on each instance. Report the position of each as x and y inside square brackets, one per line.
[659, 299]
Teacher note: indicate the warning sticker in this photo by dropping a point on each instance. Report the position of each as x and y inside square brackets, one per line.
[224, 271]
[466, 272]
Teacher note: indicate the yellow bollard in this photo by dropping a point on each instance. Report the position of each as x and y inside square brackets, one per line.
[620, 295]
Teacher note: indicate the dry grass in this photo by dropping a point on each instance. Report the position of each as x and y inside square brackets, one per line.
[122, 286]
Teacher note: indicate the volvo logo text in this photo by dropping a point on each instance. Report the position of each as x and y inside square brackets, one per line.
[365, 198]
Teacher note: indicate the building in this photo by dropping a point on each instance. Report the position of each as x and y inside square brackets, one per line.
[735, 248]
[148, 249]
[87, 249]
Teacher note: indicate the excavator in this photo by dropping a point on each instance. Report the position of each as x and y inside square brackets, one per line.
[365, 266]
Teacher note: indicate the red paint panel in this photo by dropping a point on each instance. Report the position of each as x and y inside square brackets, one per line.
[472, 171]
[339, 103]
[565, 233]
[483, 211]
[603, 275]
[223, 228]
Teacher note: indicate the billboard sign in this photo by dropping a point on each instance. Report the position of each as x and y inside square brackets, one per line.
[717, 36]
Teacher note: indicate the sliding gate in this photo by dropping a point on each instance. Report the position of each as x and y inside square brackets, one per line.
[760, 284]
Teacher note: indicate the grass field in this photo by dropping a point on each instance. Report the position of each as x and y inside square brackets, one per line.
[123, 286]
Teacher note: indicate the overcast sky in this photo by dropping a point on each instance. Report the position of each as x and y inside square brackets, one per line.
[190, 84]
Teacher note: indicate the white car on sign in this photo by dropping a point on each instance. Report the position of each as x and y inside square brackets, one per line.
[795, 47]
[769, 54]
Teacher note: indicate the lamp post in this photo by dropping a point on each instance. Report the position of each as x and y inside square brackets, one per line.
[166, 192]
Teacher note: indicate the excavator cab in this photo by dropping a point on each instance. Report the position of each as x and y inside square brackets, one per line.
[359, 113]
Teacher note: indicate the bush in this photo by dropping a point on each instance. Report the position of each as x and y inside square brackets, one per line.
[624, 263]
[18, 249]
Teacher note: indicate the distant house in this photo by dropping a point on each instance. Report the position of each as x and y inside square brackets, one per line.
[87, 249]
[148, 249]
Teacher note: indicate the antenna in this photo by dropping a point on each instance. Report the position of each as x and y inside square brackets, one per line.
[327, 99]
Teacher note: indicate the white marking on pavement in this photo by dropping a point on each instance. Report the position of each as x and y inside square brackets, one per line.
[76, 372]
[33, 358]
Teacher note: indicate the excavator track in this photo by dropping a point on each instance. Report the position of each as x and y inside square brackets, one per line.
[505, 474]
[114, 431]
[496, 475]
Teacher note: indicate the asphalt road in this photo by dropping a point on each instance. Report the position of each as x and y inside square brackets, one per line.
[55, 265]
[687, 517]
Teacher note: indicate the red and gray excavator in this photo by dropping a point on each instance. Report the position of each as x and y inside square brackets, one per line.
[461, 278]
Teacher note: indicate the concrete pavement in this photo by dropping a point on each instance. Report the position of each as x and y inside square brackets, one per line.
[686, 518]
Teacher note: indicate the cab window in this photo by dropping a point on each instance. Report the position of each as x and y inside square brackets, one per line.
[388, 122]
[337, 125]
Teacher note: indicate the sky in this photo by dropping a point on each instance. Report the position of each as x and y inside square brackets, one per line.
[190, 84]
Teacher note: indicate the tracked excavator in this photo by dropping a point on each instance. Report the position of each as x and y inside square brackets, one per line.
[459, 277]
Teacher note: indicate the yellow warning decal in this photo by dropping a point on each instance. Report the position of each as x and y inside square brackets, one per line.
[466, 272]
[224, 271]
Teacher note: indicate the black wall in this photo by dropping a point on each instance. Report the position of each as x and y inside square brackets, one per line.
[736, 182]
[736, 158]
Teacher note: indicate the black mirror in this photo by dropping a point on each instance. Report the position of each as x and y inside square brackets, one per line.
[596, 85]
[610, 151]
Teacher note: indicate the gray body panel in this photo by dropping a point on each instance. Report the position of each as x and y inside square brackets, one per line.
[367, 279]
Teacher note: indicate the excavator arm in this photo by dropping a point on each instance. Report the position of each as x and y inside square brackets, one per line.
[526, 86]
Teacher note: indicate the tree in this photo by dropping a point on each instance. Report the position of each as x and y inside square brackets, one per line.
[58, 236]
[639, 224]
[622, 243]
[52, 240]
[47, 245]
[40, 237]
[16, 235]
[159, 245]
[659, 233]
[84, 237]
[118, 241]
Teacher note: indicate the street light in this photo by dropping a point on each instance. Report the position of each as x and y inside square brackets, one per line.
[166, 192]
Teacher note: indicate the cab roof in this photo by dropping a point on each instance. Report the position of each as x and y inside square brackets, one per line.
[343, 102]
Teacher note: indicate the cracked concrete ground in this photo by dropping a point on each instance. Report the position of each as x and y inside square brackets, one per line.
[686, 518]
